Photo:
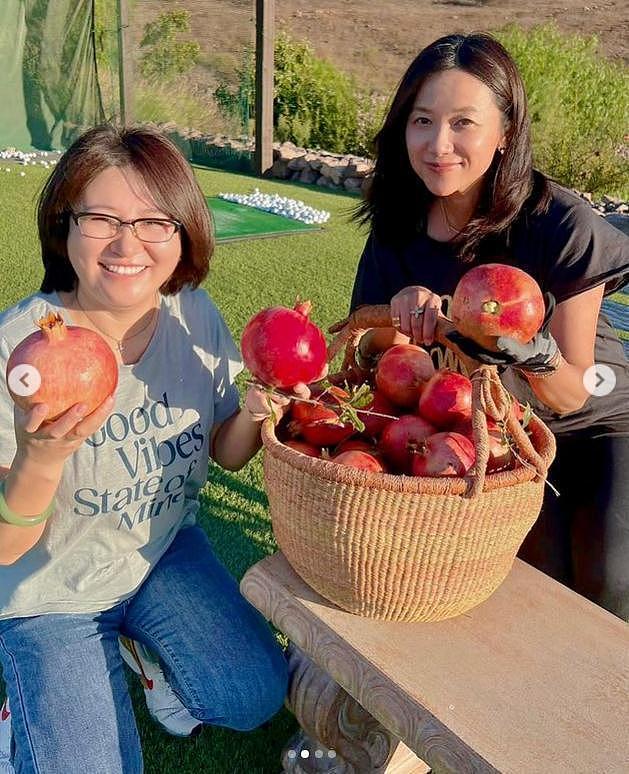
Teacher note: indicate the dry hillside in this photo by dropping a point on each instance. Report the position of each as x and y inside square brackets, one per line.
[376, 40]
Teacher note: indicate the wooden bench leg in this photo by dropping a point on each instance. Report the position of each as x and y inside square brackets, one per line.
[338, 735]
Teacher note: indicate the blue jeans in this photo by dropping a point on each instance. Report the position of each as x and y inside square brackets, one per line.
[70, 705]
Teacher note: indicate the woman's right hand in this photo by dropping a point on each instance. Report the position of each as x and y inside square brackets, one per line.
[414, 311]
[51, 443]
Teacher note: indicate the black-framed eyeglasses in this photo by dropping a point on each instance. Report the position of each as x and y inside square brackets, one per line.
[97, 225]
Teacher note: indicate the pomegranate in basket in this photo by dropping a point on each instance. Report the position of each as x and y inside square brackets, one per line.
[320, 424]
[446, 399]
[359, 459]
[402, 372]
[444, 454]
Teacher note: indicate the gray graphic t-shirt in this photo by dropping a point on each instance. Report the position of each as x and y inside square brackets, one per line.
[133, 484]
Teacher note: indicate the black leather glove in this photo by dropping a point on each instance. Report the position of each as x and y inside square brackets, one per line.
[536, 356]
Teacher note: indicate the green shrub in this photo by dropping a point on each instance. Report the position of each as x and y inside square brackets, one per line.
[315, 105]
[579, 103]
[165, 57]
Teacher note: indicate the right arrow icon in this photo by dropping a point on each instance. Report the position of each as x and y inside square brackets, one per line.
[599, 380]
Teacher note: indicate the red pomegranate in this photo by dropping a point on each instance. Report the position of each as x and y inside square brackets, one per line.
[281, 347]
[76, 365]
[446, 399]
[304, 448]
[401, 437]
[402, 372]
[359, 459]
[380, 404]
[494, 300]
[500, 454]
[319, 423]
[444, 454]
[356, 444]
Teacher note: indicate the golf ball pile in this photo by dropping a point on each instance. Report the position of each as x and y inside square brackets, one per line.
[26, 158]
[279, 205]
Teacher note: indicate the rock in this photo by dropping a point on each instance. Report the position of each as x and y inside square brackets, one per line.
[359, 168]
[288, 151]
[298, 163]
[325, 182]
[335, 169]
[280, 169]
[308, 175]
[353, 184]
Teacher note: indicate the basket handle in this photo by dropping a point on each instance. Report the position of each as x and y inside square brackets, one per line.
[489, 397]
[349, 331]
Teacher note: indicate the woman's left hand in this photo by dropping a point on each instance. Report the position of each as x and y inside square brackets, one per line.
[414, 311]
[261, 404]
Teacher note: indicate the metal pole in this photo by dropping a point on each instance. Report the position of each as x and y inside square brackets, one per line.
[265, 51]
[125, 64]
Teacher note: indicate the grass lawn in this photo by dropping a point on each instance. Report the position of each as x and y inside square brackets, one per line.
[244, 277]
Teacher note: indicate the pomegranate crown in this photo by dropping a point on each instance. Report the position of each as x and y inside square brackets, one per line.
[302, 307]
[52, 326]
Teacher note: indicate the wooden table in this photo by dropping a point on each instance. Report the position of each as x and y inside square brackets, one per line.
[536, 679]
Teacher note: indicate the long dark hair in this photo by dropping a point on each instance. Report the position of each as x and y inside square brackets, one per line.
[397, 201]
[168, 177]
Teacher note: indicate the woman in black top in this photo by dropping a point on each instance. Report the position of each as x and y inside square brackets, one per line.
[454, 186]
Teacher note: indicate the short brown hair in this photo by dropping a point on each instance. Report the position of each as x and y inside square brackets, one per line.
[168, 178]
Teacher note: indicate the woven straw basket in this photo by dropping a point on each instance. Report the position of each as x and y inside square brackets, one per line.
[401, 548]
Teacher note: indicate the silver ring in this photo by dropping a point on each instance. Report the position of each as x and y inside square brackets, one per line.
[395, 321]
[417, 312]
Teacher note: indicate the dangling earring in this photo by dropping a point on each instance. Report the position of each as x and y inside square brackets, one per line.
[501, 150]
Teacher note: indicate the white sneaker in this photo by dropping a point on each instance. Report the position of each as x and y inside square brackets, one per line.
[6, 767]
[162, 702]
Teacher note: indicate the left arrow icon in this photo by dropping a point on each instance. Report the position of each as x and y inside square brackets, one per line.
[24, 380]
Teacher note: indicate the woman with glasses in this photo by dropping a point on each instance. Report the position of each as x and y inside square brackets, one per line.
[454, 187]
[101, 560]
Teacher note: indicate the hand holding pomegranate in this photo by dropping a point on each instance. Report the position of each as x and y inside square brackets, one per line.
[261, 403]
[414, 311]
[49, 444]
[539, 355]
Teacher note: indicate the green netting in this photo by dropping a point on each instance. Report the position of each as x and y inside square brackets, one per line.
[49, 89]
[235, 221]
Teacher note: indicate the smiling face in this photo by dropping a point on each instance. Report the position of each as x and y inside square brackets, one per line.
[452, 133]
[98, 263]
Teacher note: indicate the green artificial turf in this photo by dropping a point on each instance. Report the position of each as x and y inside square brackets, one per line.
[234, 221]
[244, 277]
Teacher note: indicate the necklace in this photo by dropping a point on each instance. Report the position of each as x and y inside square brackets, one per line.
[119, 342]
[451, 228]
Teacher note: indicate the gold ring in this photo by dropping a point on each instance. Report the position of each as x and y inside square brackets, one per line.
[395, 321]
[417, 312]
